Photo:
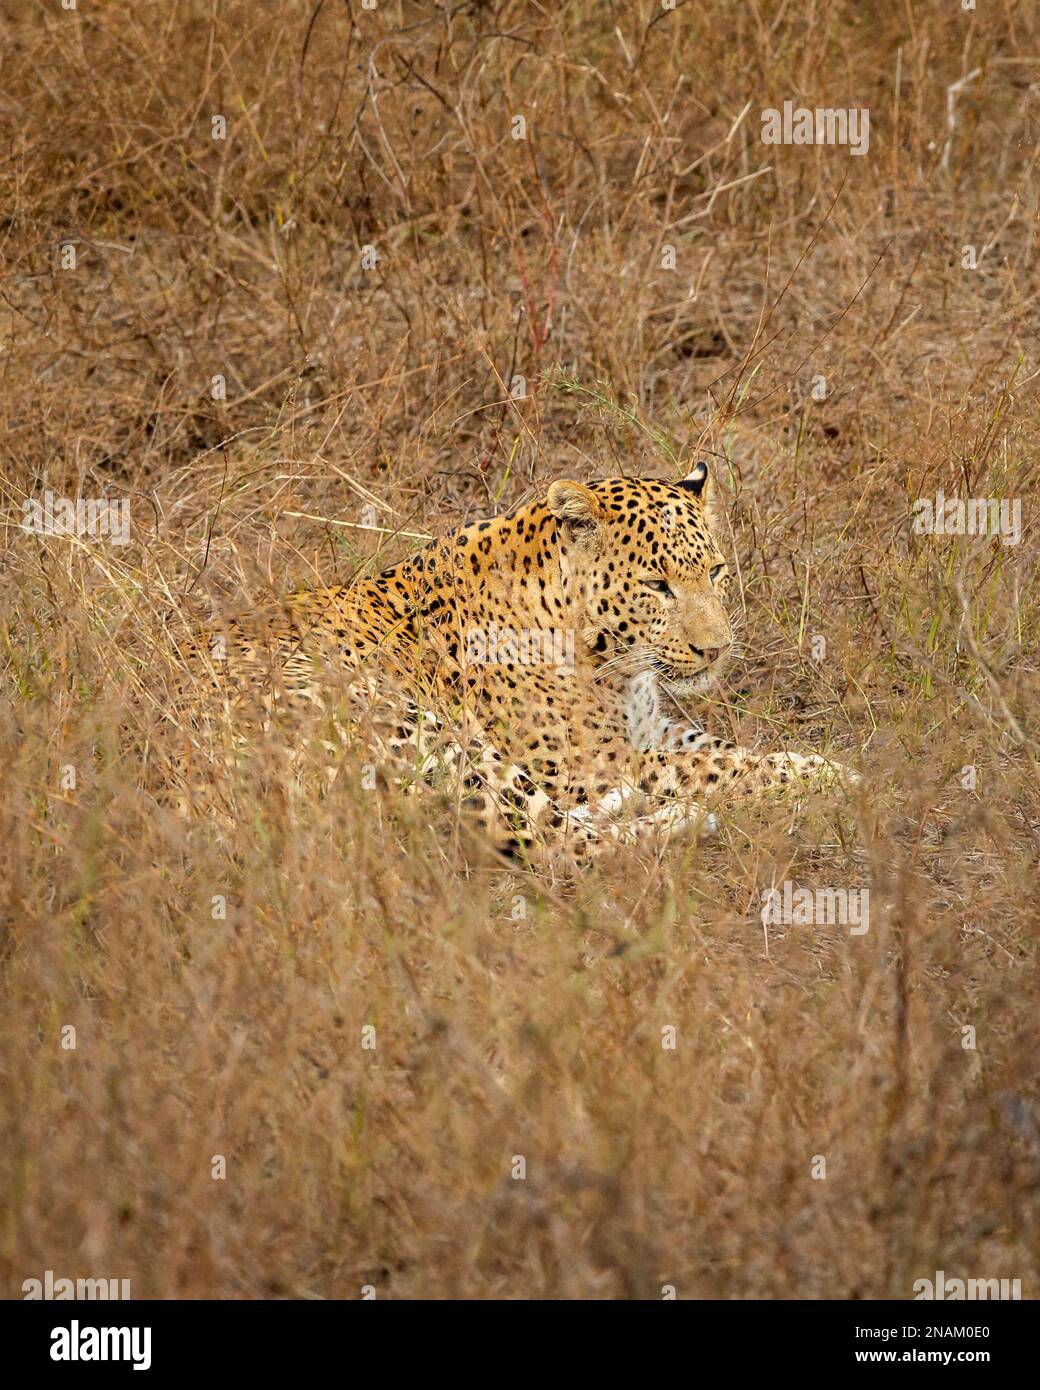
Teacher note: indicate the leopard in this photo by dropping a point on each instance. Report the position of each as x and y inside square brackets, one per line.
[541, 662]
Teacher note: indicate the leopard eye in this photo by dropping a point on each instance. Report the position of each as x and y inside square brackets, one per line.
[714, 575]
[659, 586]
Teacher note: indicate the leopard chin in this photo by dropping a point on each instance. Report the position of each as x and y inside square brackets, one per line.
[680, 684]
[683, 686]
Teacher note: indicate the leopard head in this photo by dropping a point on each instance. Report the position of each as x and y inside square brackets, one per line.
[643, 566]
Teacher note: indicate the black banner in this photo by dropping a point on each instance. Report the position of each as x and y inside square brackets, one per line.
[166, 1338]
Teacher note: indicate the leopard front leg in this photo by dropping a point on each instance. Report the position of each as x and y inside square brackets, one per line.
[523, 821]
[703, 767]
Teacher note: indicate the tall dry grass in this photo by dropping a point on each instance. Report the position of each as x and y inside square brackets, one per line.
[373, 399]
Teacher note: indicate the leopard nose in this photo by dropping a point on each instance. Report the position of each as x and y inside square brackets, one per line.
[712, 653]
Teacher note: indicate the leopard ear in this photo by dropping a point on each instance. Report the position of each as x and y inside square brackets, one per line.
[573, 502]
[698, 482]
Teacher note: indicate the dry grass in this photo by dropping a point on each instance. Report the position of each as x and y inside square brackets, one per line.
[518, 1015]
